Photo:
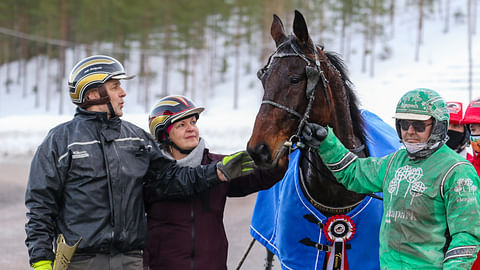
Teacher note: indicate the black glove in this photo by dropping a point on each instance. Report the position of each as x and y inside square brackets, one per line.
[236, 165]
[313, 134]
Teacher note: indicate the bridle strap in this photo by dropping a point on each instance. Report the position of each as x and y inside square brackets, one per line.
[280, 106]
[314, 73]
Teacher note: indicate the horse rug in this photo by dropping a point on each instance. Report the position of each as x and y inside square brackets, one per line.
[278, 223]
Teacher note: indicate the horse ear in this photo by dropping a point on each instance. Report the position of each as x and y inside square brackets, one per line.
[277, 31]
[300, 29]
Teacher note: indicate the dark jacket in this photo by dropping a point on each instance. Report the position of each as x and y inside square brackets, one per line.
[189, 233]
[86, 182]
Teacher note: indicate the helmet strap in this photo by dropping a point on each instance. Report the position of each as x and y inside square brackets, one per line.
[164, 139]
[183, 151]
[104, 98]
[110, 108]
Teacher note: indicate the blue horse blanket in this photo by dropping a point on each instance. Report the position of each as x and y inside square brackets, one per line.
[279, 225]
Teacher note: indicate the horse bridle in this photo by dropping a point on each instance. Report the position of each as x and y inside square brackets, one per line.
[313, 72]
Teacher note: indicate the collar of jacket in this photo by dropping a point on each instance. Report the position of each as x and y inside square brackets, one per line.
[109, 128]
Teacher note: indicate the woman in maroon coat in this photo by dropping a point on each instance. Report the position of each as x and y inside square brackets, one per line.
[189, 233]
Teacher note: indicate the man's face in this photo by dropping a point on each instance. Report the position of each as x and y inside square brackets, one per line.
[415, 131]
[116, 93]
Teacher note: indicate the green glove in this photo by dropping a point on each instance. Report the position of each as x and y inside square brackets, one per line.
[42, 265]
[236, 165]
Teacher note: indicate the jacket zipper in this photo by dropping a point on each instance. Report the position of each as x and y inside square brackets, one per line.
[192, 215]
[110, 196]
[109, 182]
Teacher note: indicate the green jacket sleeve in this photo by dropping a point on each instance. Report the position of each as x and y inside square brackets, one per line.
[362, 175]
[462, 206]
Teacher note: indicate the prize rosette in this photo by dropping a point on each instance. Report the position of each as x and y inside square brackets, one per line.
[338, 230]
[339, 226]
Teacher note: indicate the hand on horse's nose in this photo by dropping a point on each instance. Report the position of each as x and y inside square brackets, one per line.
[313, 134]
[236, 165]
[260, 154]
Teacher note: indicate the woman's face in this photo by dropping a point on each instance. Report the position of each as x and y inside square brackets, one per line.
[475, 129]
[184, 133]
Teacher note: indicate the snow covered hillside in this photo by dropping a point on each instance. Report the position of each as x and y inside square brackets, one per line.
[442, 66]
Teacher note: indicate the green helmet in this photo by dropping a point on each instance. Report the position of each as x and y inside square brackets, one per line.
[421, 104]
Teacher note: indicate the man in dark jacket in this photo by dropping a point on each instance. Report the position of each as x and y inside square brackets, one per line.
[86, 177]
[188, 233]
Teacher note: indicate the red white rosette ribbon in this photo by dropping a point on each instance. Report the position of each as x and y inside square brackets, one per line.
[338, 230]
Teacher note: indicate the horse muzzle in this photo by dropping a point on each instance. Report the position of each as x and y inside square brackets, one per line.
[262, 155]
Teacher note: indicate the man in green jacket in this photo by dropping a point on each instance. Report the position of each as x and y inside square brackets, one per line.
[431, 216]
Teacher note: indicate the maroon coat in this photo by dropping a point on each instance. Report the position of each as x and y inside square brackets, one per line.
[189, 233]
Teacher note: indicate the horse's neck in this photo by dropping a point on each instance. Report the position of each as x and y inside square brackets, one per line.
[341, 117]
[322, 189]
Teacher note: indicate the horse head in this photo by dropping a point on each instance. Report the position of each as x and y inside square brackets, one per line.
[301, 83]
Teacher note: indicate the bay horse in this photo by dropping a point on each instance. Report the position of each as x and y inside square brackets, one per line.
[303, 83]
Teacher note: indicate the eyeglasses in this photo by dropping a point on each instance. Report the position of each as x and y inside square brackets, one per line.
[418, 126]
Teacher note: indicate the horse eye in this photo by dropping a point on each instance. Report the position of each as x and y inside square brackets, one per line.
[295, 80]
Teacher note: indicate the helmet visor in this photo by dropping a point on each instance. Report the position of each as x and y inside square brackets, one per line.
[123, 77]
[412, 116]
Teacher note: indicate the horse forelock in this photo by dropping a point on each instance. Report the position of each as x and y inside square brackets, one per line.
[308, 48]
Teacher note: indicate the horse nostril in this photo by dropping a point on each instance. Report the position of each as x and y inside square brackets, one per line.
[261, 149]
[260, 154]
[263, 152]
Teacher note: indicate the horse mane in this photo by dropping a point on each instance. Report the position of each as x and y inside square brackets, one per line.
[335, 59]
[357, 119]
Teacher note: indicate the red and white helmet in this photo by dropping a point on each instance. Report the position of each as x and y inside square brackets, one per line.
[456, 112]
[472, 114]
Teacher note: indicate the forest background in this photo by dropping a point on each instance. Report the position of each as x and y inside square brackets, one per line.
[210, 51]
